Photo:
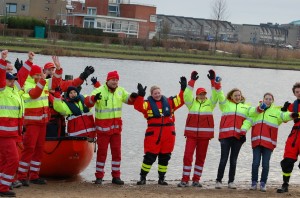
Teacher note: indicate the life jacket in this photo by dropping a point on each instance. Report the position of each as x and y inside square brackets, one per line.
[166, 110]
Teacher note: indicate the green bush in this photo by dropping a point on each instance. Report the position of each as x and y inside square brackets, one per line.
[77, 30]
[16, 22]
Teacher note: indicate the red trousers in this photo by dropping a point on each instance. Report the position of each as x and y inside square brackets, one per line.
[31, 156]
[290, 150]
[103, 141]
[9, 159]
[201, 145]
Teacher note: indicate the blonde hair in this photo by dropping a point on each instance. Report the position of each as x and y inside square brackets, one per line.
[230, 93]
[153, 88]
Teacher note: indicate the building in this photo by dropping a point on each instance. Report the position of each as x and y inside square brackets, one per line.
[293, 37]
[114, 16]
[53, 11]
[193, 28]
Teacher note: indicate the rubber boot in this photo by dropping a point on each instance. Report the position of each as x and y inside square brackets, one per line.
[161, 181]
[142, 180]
[285, 186]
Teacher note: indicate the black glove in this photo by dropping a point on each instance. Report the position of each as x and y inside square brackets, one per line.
[285, 106]
[98, 96]
[194, 75]
[141, 90]
[87, 71]
[242, 138]
[94, 80]
[18, 64]
[183, 83]
[295, 115]
[134, 95]
[211, 74]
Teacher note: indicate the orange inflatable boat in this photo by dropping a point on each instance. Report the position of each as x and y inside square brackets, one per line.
[66, 156]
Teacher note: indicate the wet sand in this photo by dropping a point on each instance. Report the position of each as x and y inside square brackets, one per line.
[76, 189]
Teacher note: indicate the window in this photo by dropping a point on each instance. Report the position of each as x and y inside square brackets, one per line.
[88, 23]
[113, 10]
[91, 11]
[11, 8]
[23, 7]
[153, 18]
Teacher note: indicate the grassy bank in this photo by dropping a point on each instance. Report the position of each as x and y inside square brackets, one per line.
[73, 48]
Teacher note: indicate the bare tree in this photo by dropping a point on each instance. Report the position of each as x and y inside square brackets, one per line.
[219, 14]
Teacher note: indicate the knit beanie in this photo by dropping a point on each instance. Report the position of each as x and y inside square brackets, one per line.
[35, 69]
[112, 75]
[70, 89]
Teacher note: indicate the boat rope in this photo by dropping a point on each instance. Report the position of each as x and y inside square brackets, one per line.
[49, 153]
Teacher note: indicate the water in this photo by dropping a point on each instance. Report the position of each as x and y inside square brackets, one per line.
[253, 83]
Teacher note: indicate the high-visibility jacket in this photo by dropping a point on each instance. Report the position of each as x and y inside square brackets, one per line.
[233, 116]
[265, 126]
[78, 125]
[108, 110]
[36, 98]
[23, 74]
[11, 107]
[200, 121]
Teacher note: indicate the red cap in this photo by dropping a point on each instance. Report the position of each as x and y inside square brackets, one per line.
[49, 65]
[112, 75]
[200, 90]
[35, 69]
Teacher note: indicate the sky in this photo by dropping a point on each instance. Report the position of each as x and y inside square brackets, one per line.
[238, 11]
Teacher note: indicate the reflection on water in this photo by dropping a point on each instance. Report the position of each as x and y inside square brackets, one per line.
[253, 83]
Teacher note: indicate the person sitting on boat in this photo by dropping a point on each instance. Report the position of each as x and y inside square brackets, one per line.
[199, 128]
[160, 133]
[11, 123]
[76, 108]
[108, 122]
[56, 124]
[35, 119]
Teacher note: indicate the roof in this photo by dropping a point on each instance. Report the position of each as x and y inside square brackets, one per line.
[295, 22]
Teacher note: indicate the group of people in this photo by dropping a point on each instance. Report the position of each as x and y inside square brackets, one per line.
[32, 105]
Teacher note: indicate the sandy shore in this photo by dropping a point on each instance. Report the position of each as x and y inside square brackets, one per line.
[76, 189]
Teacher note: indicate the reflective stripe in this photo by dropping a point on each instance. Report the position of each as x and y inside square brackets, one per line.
[24, 164]
[162, 168]
[286, 174]
[267, 123]
[186, 173]
[107, 110]
[115, 168]
[73, 116]
[50, 83]
[234, 113]
[22, 170]
[35, 163]
[197, 173]
[33, 100]
[199, 129]
[36, 117]
[221, 103]
[264, 138]
[200, 113]
[81, 132]
[107, 128]
[99, 169]
[27, 67]
[198, 167]
[2, 67]
[100, 164]
[187, 167]
[7, 176]
[3, 107]
[3, 128]
[230, 129]
[115, 163]
[90, 100]
[39, 85]
[6, 183]
[34, 169]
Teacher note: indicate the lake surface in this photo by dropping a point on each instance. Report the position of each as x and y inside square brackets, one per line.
[253, 83]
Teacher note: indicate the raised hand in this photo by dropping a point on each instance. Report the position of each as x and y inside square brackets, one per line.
[56, 62]
[194, 75]
[183, 83]
[211, 74]
[141, 90]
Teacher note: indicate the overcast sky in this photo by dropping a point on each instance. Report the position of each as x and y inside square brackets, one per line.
[239, 11]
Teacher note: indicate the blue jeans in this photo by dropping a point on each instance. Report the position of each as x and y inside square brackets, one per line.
[258, 153]
[228, 145]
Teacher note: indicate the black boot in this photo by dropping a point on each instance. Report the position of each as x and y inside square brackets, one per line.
[284, 188]
[117, 180]
[161, 181]
[99, 181]
[7, 194]
[142, 180]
